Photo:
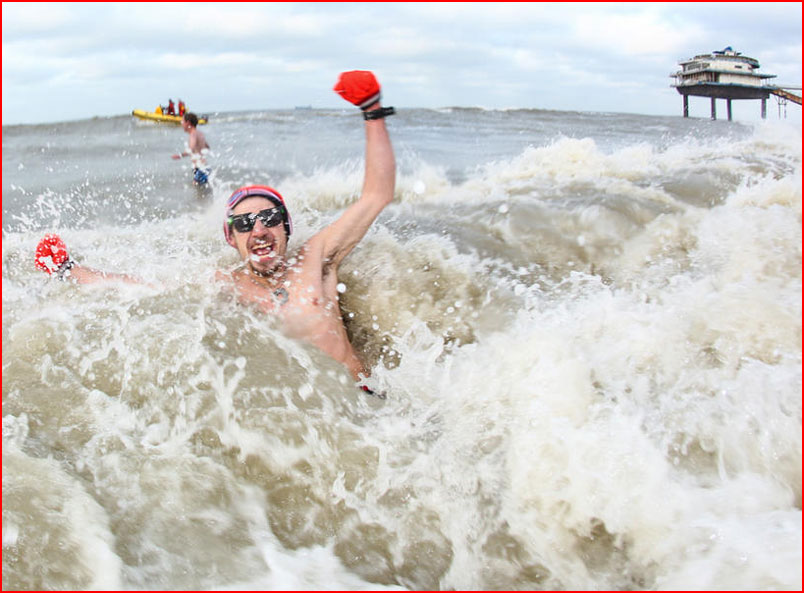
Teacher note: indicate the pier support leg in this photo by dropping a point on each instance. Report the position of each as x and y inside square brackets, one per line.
[764, 108]
[714, 110]
[728, 107]
[686, 106]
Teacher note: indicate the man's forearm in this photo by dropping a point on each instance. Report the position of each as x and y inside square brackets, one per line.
[380, 175]
[84, 275]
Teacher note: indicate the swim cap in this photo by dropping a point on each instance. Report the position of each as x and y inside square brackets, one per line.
[255, 190]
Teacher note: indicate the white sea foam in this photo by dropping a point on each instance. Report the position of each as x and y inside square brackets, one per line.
[590, 346]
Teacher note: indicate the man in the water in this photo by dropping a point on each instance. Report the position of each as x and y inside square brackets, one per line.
[196, 148]
[302, 289]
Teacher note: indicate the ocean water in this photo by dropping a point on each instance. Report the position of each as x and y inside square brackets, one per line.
[588, 327]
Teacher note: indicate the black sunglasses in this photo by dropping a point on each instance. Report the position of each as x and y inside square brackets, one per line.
[243, 223]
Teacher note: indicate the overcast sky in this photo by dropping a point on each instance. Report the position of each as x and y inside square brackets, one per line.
[66, 61]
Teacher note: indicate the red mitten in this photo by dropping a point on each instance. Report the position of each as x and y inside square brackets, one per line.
[51, 254]
[359, 87]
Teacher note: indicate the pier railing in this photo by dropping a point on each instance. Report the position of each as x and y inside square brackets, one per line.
[780, 92]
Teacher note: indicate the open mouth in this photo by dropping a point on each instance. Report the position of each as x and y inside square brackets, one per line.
[261, 250]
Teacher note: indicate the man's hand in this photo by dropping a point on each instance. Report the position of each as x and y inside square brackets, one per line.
[359, 87]
[51, 254]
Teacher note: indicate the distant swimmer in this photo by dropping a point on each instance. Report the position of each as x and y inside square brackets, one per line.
[300, 288]
[197, 148]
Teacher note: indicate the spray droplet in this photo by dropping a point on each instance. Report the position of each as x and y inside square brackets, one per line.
[305, 391]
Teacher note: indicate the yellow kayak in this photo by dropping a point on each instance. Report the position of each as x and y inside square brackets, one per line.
[162, 117]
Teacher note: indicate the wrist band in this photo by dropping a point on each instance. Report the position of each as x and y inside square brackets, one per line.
[63, 268]
[371, 101]
[378, 113]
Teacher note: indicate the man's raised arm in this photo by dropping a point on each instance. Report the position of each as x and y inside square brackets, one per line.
[361, 88]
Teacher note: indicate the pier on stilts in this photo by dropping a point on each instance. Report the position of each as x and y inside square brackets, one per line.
[728, 75]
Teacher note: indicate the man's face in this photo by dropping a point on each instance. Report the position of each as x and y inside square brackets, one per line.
[263, 247]
[186, 125]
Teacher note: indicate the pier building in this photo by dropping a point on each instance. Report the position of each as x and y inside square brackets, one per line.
[729, 75]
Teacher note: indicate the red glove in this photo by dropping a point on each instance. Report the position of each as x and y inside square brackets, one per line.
[359, 87]
[51, 254]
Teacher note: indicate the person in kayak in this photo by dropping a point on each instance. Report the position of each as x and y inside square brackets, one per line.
[300, 288]
[197, 148]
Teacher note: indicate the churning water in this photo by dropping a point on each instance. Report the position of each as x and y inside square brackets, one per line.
[588, 327]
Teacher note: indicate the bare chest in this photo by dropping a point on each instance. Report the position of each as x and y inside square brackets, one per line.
[302, 305]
